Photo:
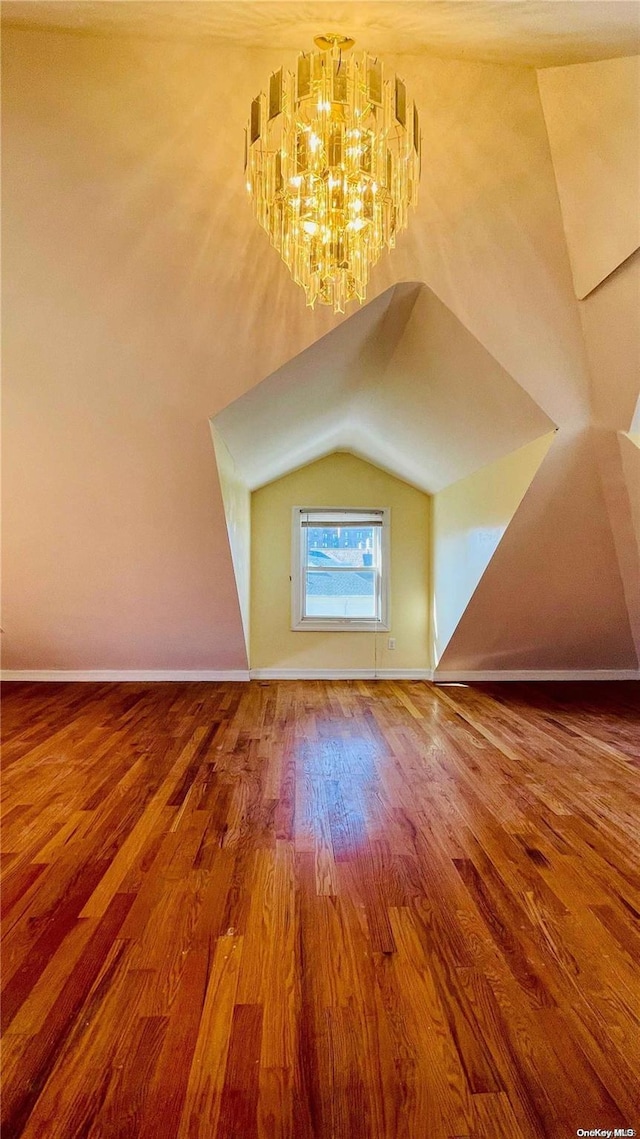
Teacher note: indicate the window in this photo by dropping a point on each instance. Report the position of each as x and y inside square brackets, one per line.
[340, 569]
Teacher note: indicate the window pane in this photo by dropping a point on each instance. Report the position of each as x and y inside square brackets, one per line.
[333, 546]
[340, 594]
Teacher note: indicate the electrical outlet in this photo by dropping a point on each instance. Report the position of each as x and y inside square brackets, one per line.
[391, 642]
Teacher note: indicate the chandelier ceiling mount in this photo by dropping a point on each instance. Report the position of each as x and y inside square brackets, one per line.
[333, 39]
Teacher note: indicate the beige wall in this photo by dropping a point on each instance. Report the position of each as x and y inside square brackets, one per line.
[469, 520]
[236, 497]
[338, 480]
[592, 113]
[552, 595]
[141, 298]
[630, 450]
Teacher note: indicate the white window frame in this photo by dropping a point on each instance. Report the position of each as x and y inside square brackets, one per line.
[301, 623]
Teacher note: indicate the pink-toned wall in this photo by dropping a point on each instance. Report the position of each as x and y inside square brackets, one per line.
[141, 298]
[126, 302]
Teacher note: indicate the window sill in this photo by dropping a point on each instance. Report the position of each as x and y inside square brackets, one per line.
[339, 625]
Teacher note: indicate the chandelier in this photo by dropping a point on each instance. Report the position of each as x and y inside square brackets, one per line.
[332, 162]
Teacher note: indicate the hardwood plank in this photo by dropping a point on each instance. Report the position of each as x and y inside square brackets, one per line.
[494, 1118]
[435, 1060]
[320, 910]
[239, 1105]
[42, 1050]
[167, 1091]
[207, 1077]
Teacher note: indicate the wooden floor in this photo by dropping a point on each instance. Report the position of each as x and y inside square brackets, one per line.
[332, 910]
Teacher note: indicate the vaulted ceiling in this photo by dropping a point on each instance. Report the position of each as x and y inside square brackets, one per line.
[401, 383]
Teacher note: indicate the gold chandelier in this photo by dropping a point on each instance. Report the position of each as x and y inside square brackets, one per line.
[332, 162]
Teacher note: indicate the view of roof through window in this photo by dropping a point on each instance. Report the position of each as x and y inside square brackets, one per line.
[342, 564]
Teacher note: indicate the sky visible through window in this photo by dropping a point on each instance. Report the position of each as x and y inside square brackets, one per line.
[341, 569]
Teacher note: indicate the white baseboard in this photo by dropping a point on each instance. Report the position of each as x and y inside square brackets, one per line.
[341, 674]
[101, 676]
[462, 677]
[119, 675]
